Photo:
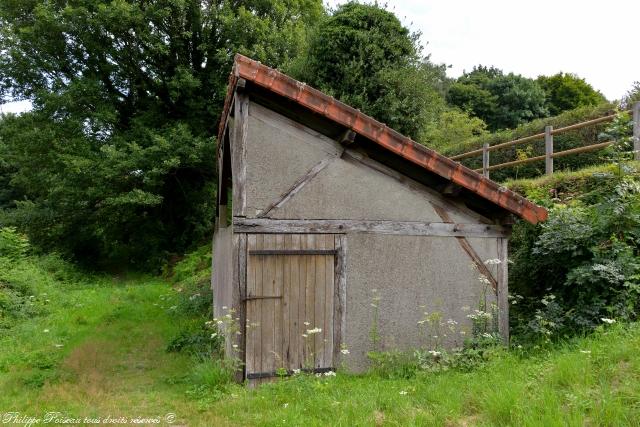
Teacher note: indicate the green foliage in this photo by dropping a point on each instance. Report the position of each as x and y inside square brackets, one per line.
[362, 55]
[114, 165]
[451, 128]
[563, 141]
[582, 264]
[193, 305]
[567, 92]
[13, 245]
[500, 100]
[210, 381]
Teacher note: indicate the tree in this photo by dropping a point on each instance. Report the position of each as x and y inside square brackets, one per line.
[501, 100]
[115, 163]
[452, 127]
[362, 55]
[567, 92]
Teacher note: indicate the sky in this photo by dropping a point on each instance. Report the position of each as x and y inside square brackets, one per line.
[599, 41]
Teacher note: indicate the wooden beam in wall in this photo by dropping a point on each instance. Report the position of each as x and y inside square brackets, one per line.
[402, 228]
[503, 289]
[363, 159]
[468, 249]
[340, 297]
[239, 153]
[238, 296]
[297, 186]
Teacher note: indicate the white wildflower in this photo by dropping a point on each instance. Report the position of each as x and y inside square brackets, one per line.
[224, 307]
[329, 374]
[344, 351]
[219, 322]
[296, 371]
[304, 335]
[487, 335]
[319, 375]
[285, 405]
[403, 393]
[306, 323]
[213, 335]
[434, 353]
[609, 321]
[314, 331]
[494, 261]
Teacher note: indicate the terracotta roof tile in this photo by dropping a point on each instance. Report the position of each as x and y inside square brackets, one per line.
[379, 133]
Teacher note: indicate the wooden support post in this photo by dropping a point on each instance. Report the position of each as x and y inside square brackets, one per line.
[238, 153]
[485, 160]
[503, 289]
[548, 150]
[222, 216]
[636, 131]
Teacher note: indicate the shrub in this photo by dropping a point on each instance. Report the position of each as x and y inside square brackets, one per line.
[13, 245]
[581, 265]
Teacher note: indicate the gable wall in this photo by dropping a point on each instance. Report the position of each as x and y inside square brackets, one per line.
[280, 152]
[412, 274]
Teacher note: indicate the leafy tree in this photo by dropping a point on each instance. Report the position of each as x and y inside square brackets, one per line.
[452, 127]
[501, 100]
[567, 92]
[362, 55]
[115, 163]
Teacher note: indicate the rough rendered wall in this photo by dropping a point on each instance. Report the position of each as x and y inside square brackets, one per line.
[277, 155]
[222, 269]
[280, 152]
[412, 275]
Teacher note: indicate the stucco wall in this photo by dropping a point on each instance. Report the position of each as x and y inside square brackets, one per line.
[279, 152]
[412, 275]
[222, 274]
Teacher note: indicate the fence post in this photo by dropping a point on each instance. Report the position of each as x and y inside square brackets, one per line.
[485, 159]
[548, 150]
[636, 131]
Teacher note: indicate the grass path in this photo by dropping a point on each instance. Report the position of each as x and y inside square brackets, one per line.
[100, 351]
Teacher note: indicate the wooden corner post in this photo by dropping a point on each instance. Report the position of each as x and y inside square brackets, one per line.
[485, 160]
[636, 131]
[503, 289]
[239, 152]
[548, 150]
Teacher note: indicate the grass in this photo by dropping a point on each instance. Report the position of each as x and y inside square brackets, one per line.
[105, 355]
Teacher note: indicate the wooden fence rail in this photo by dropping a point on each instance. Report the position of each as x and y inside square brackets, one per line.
[547, 136]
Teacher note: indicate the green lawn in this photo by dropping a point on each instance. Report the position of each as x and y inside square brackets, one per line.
[100, 350]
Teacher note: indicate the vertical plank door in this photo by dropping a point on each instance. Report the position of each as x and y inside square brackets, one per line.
[289, 304]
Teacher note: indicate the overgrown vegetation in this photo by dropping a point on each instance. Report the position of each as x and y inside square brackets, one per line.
[581, 266]
[99, 349]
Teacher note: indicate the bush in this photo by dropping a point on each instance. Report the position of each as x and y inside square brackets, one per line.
[13, 245]
[582, 264]
[193, 306]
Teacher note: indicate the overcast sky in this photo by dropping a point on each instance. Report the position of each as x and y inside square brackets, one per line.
[597, 40]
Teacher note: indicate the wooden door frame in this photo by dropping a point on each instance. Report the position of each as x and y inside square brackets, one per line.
[339, 299]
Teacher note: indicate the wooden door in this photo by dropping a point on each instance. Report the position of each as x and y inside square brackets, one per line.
[289, 303]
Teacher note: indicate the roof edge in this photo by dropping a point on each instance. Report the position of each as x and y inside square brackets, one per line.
[377, 132]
